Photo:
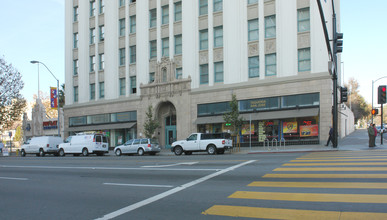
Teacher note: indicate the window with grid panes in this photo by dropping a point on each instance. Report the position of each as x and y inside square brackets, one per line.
[253, 67]
[132, 21]
[122, 26]
[165, 14]
[218, 5]
[203, 38]
[253, 29]
[133, 87]
[92, 91]
[178, 11]
[132, 54]
[203, 7]
[75, 93]
[152, 18]
[303, 19]
[270, 64]
[218, 71]
[218, 36]
[122, 56]
[122, 86]
[304, 61]
[165, 47]
[153, 49]
[178, 44]
[204, 74]
[270, 26]
[101, 65]
[102, 90]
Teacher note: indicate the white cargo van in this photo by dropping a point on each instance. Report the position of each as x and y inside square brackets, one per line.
[84, 144]
[41, 146]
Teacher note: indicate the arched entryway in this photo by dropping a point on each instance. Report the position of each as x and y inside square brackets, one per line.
[166, 114]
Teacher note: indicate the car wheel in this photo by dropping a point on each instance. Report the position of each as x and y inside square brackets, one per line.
[118, 152]
[178, 150]
[61, 153]
[41, 153]
[188, 153]
[23, 153]
[85, 152]
[211, 149]
[140, 152]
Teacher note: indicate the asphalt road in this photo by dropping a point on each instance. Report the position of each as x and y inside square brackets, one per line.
[337, 185]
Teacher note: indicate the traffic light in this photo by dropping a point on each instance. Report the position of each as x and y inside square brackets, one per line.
[381, 94]
[375, 111]
[338, 47]
[343, 94]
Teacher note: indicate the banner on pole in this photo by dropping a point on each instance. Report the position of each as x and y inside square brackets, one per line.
[54, 97]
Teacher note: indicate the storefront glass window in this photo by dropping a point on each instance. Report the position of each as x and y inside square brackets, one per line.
[213, 108]
[259, 104]
[304, 100]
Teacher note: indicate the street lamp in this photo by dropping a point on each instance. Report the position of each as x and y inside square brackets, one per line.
[372, 101]
[57, 91]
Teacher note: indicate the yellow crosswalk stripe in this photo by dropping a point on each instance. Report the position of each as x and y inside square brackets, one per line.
[333, 169]
[344, 185]
[338, 160]
[337, 164]
[311, 197]
[338, 176]
[273, 213]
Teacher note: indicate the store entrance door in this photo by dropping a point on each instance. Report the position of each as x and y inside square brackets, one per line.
[170, 130]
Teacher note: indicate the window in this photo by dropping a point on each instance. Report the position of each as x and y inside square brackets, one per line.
[153, 49]
[270, 26]
[92, 63]
[218, 36]
[122, 56]
[204, 74]
[102, 90]
[178, 44]
[133, 85]
[92, 8]
[252, 1]
[75, 66]
[75, 39]
[203, 37]
[303, 19]
[75, 93]
[101, 65]
[122, 26]
[132, 1]
[253, 29]
[92, 91]
[122, 86]
[304, 63]
[178, 11]
[271, 64]
[92, 35]
[101, 6]
[213, 108]
[76, 13]
[132, 21]
[132, 53]
[218, 71]
[151, 77]
[179, 73]
[165, 47]
[253, 67]
[218, 5]
[152, 18]
[165, 14]
[101, 32]
[203, 7]
[122, 3]
[301, 100]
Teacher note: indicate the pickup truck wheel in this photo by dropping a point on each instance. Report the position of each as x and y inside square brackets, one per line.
[23, 153]
[85, 152]
[41, 152]
[178, 150]
[118, 152]
[211, 149]
[140, 152]
[61, 153]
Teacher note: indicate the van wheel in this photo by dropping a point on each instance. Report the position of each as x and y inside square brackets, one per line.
[85, 152]
[61, 153]
[41, 152]
[23, 153]
[178, 150]
[118, 152]
[140, 152]
[211, 149]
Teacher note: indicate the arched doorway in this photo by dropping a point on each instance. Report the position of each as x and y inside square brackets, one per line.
[166, 113]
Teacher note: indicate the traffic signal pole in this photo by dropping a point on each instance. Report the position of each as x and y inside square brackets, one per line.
[381, 125]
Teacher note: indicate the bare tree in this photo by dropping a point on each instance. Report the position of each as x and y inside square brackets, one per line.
[12, 103]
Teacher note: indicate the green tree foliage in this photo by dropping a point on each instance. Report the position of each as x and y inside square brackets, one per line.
[19, 134]
[232, 118]
[150, 124]
[12, 103]
[359, 106]
[62, 96]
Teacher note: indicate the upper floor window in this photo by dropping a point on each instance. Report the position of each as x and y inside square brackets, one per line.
[252, 1]
[304, 63]
[76, 13]
[218, 5]
[271, 64]
[178, 11]
[153, 49]
[122, 56]
[253, 29]
[133, 87]
[122, 2]
[75, 90]
[303, 19]
[132, 21]
[102, 33]
[218, 36]
[92, 35]
[165, 14]
[152, 18]
[218, 71]
[178, 44]
[92, 91]
[101, 6]
[75, 66]
[122, 26]
[203, 7]
[132, 54]
[102, 90]
[75, 40]
[92, 8]
[203, 38]
[253, 67]
[165, 47]
[151, 77]
[101, 63]
[204, 74]
[270, 26]
[179, 73]
[92, 63]
[122, 86]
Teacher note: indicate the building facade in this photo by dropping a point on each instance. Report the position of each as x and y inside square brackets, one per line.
[186, 58]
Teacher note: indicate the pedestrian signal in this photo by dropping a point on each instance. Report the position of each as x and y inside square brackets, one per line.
[374, 111]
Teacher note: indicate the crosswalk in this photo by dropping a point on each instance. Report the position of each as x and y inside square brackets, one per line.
[324, 185]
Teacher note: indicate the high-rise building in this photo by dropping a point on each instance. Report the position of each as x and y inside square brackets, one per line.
[186, 58]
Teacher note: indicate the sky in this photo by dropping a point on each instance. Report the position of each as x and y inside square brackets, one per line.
[34, 30]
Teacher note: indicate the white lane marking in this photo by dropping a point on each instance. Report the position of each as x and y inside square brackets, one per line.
[170, 192]
[107, 168]
[140, 185]
[171, 165]
[12, 178]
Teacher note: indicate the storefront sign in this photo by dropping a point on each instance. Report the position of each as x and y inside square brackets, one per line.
[290, 127]
[50, 125]
[246, 129]
[260, 103]
[308, 130]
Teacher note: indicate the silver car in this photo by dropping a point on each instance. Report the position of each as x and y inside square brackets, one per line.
[139, 147]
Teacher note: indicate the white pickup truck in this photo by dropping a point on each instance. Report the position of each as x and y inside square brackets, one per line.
[211, 142]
